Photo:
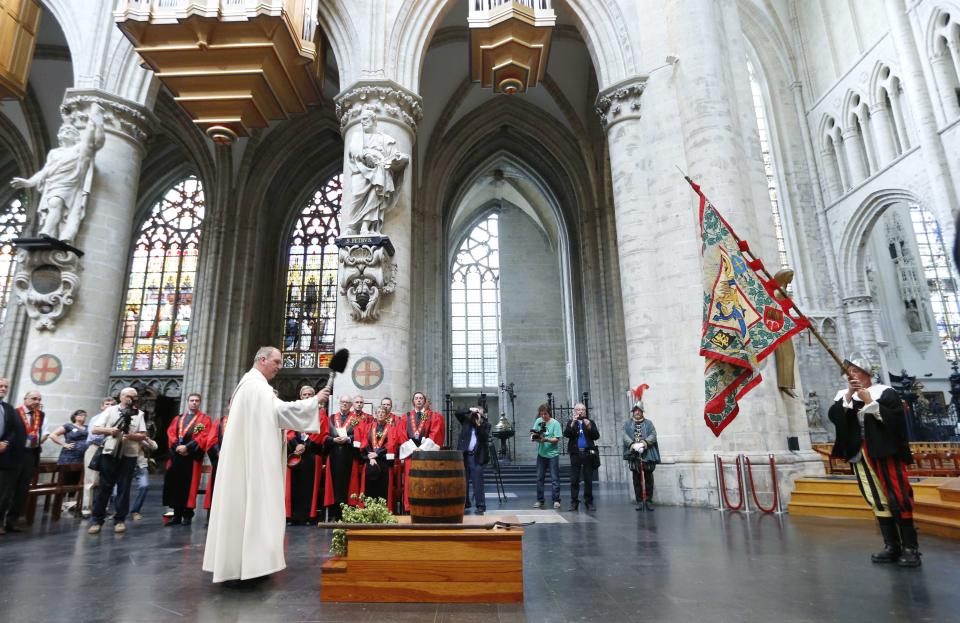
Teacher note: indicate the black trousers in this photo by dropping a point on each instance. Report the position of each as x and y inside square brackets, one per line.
[581, 466]
[114, 472]
[647, 479]
[14, 486]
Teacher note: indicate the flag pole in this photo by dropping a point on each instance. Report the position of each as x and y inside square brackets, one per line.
[769, 277]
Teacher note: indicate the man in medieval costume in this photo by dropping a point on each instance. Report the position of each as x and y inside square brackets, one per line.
[872, 437]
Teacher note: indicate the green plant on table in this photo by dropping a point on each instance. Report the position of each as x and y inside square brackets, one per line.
[367, 510]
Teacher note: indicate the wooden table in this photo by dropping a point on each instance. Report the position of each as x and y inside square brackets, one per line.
[466, 565]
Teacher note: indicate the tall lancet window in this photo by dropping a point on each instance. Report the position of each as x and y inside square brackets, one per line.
[769, 165]
[475, 308]
[159, 304]
[310, 313]
[941, 279]
[13, 218]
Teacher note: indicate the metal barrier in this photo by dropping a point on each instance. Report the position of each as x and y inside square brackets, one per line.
[744, 483]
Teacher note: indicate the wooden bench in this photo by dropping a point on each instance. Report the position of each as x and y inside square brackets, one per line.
[52, 491]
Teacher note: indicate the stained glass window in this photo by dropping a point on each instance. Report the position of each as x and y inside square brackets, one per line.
[475, 308]
[12, 221]
[941, 279]
[769, 165]
[159, 303]
[311, 302]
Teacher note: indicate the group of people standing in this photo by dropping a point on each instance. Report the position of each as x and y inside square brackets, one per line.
[356, 452]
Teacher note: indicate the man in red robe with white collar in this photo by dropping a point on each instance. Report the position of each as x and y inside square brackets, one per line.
[187, 437]
[420, 429]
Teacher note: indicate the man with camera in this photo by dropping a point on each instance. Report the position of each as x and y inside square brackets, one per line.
[124, 427]
[546, 433]
[474, 443]
[584, 456]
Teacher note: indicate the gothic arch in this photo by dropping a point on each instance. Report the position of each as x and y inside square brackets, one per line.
[854, 239]
[341, 33]
[601, 22]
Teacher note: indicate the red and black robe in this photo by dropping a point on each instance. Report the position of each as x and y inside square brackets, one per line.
[341, 480]
[213, 443]
[303, 479]
[377, 480]
[182, 480]
[418, 426]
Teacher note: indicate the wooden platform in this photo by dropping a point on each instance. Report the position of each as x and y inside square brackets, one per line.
[936, 502]
[428, 566]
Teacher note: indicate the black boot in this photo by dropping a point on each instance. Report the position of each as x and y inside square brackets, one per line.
[911, 552]
[891, 541]
[649, 505]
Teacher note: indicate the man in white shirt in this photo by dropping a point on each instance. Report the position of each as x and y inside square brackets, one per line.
[91, 477]
[124, 428]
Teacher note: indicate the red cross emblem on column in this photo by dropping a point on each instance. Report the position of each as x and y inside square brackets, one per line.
[45, 369]
[367, 373]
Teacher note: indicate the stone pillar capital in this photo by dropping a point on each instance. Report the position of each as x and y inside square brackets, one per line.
[121, 117]
[879, 107]
[389, 100]
[620, 101]
[859, 302]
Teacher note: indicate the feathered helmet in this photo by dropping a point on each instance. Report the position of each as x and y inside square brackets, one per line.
[637, 394]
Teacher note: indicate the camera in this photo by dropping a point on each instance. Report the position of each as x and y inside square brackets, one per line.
[538, 433]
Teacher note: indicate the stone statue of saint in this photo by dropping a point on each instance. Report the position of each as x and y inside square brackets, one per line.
[376, 172]
[814, 416]
[65, 180]
[786, 354]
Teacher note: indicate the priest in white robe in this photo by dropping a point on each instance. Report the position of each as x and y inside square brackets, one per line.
[248, 515]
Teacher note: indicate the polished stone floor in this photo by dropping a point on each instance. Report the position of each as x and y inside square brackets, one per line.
[613, 565]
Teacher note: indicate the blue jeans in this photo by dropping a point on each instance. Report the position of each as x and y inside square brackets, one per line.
[142, 477]
[554, 465]
[474, 473]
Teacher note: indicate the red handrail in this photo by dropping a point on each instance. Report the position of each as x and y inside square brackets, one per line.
[723, 488]
[753, 487]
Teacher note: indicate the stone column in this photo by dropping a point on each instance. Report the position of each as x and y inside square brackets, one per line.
[853, 144]
[941, 65]
[884, 126]
[832, 170]
[84, 341]
[861, 320]
[386, 340]
[945, 204]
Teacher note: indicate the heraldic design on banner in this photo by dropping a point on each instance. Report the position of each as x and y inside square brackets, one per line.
[742, 321]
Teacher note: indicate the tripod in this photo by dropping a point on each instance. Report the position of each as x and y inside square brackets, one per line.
[498, 479]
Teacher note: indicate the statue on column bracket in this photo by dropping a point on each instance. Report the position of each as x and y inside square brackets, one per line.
[376, 172]
[66, 178]
[367, 273]
[46, 281]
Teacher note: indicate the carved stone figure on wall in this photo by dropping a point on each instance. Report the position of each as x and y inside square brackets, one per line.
[376, 171]
[65, 180]
[814, 415]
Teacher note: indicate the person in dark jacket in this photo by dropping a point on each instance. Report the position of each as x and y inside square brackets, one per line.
[13, 437]
[582, 434]
[474, 442]
[872, 437]
[28, 429]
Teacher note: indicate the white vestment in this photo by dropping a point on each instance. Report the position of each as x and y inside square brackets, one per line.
[248, 514]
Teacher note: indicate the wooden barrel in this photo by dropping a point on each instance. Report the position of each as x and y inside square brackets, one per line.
[436, 487]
